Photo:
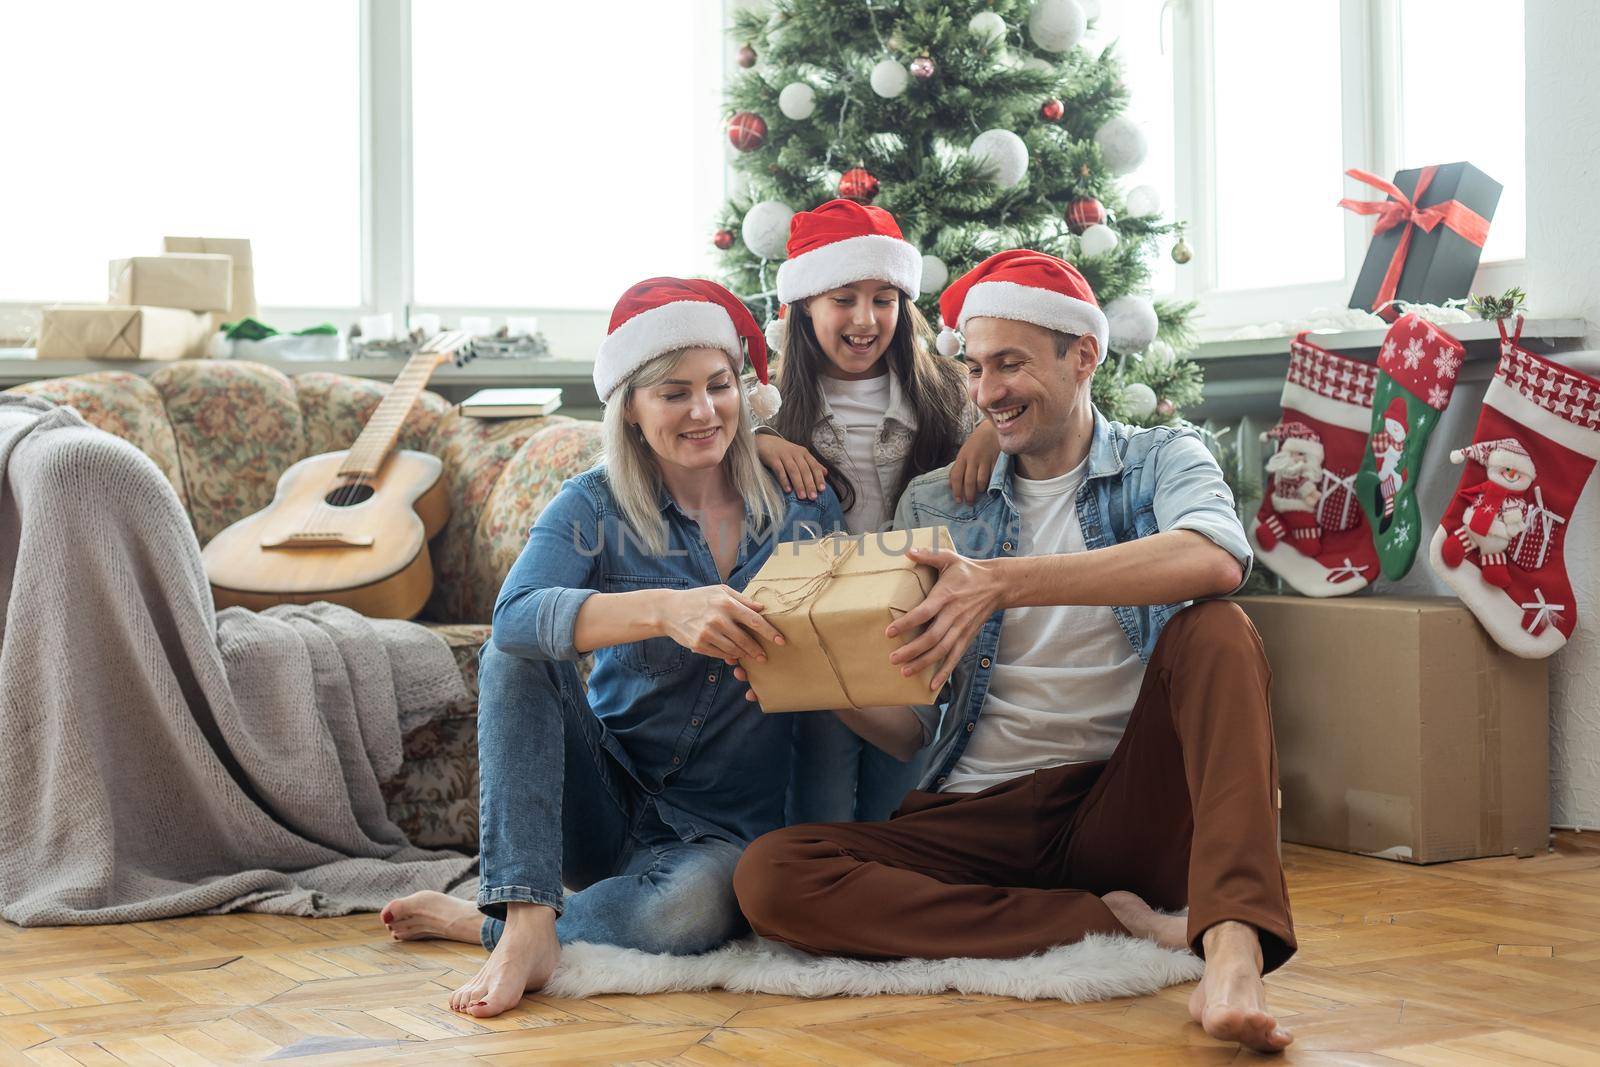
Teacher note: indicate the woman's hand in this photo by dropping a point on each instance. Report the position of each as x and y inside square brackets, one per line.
[969, 475]
[797, 469]
[716, 620]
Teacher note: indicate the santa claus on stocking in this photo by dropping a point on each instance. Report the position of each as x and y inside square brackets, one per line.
[1294, 487]
[1496, 509]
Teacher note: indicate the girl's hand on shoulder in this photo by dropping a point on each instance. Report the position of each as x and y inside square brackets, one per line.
[797, 470]
[969, 475]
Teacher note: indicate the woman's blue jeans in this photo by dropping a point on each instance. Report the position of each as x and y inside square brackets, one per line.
[557, 809]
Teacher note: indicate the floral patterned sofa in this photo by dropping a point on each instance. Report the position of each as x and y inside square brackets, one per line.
[223, 432]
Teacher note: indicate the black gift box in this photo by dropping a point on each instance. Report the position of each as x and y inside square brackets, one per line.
[1439, 265]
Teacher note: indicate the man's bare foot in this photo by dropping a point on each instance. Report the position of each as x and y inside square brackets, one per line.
[521, 962]
[1230, 1003]
[1168, 931]
[430, 914]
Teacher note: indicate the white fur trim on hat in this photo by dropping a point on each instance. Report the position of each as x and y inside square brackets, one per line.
[680, 324]
[1042, 307]
[854, 259]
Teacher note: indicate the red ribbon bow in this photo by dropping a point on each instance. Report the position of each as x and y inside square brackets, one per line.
[1400, 211]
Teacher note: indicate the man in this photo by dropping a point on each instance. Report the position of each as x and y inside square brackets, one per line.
[1105, 748]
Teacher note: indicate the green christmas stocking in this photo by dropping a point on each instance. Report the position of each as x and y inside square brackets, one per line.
[1416, 373]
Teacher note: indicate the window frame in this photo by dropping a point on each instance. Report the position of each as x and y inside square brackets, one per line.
[1370, 131]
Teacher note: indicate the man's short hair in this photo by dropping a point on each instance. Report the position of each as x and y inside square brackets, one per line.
[1063, 342]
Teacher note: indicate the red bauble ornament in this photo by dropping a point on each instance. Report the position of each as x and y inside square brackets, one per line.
[1052, 110]
[747, 131]
[1084, 212]
[858, 184]
[922, 68]
[746, 56]
[723, 239]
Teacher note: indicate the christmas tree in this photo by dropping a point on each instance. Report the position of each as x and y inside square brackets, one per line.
[981, 125]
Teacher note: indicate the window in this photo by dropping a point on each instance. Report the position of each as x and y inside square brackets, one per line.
[143, 121]
[555, 165]
[1274, 101]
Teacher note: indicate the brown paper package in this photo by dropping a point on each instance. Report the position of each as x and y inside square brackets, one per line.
[105, 331]
[197, 282]
[832, 599]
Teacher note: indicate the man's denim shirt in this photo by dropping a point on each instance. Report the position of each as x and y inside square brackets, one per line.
[708, 761]
[1139, 482]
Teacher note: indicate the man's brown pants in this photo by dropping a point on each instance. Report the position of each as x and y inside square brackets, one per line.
[1183, 813]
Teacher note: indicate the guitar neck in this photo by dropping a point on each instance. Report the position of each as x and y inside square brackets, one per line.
[378, 438]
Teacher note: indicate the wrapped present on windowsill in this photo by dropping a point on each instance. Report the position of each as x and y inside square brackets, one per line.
[109, 331]
[196, 282]
[1429, 234]
[832, 599]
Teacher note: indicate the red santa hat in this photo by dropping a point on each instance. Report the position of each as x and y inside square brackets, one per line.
[1028, 287]
[661, 315]
[1295, 430]
[843, 242]
[1501, 452]
[1396, 413]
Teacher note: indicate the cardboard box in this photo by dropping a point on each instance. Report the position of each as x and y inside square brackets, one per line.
[107, 331]
[197, 282]
[242, 304]
[832, 599]
[1403, 731]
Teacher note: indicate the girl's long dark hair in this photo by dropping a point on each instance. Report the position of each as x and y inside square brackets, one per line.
[933, 386]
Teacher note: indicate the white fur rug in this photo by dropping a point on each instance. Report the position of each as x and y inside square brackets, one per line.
[1097, 968]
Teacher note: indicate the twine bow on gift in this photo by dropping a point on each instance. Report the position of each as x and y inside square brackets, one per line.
[1399, 210]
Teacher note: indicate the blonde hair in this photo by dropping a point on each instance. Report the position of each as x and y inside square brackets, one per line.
[635, 478]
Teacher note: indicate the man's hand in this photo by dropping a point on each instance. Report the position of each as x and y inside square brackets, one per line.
[969, 474]
[716, 620]
[796, 469]
[967, 593]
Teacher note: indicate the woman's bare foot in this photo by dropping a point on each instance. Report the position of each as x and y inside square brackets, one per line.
[430, 914]
[521, 963]
[1230, 1003]
[1168, 931]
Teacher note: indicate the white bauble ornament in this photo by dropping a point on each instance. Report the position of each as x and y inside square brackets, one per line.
[1143, 202]
[1139, 399]
[1002, 154]
[948, 343]
[987, 25]
[1122, 144]
[934, 274]
[889, 78]
[797, 101]
[1097, 240]
[1056, 25]
[765, 229]
[1131, 323]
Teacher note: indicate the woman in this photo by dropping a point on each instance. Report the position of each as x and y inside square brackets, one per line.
[642, 792]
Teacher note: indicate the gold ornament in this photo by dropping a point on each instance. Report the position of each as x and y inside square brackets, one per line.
[1181, 252]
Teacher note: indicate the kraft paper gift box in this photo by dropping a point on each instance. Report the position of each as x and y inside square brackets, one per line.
[242, 304]
[197, 282]
[832, 599]
[104, 331]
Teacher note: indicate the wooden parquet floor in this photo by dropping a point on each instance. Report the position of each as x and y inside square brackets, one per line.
[1487, 962]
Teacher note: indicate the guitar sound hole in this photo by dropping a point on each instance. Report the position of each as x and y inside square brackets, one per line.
[349, 495]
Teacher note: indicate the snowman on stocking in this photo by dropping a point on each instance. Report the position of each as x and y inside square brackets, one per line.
[1388, 448]
[1495, 509]
[1294, 488]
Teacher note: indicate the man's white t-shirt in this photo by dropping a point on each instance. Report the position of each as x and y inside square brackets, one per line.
[860, 407]
[1065, 678]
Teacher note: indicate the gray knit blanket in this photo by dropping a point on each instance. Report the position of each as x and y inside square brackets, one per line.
[160, 758]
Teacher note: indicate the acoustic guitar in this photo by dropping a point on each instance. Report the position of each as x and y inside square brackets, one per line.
[348, 527]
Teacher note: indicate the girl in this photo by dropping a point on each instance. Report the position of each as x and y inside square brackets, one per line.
[866, 407]
[642, 791]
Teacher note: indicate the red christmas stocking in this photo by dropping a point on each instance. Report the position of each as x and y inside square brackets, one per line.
[1310, 528]
[1499, 545]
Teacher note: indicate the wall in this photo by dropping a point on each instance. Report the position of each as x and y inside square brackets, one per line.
[1563, 131]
